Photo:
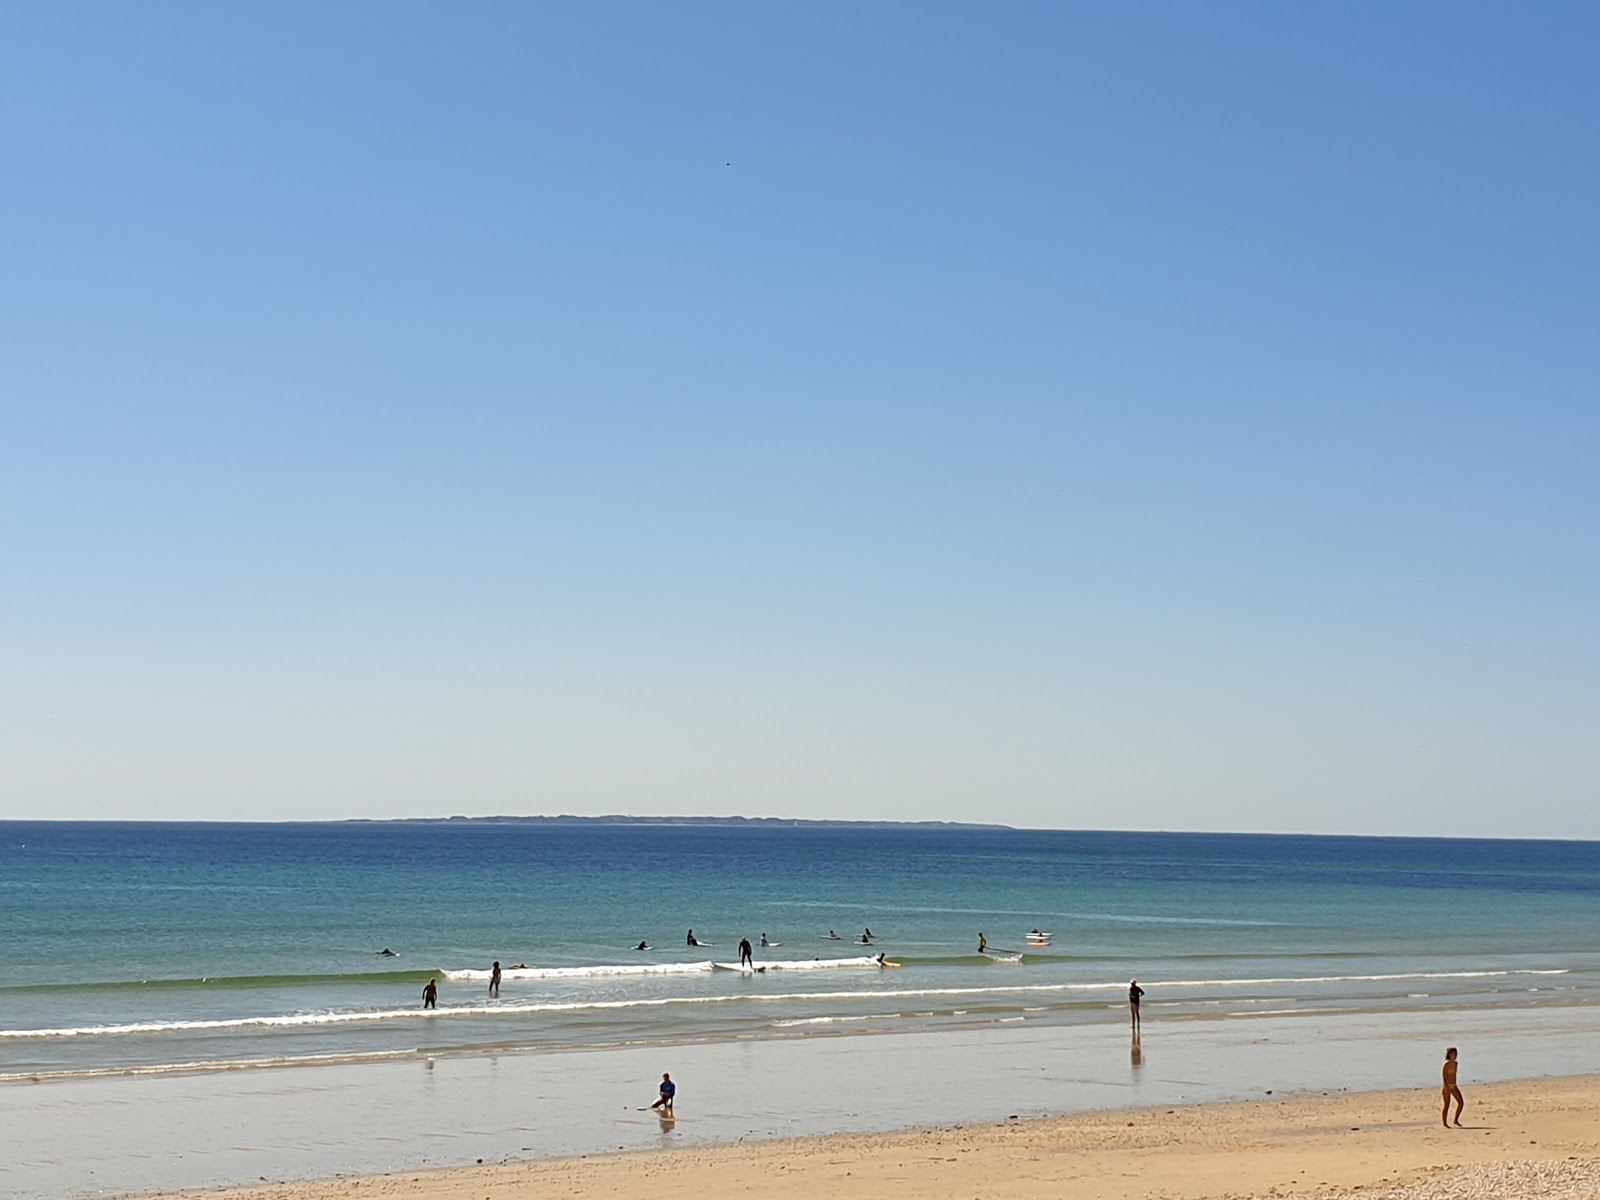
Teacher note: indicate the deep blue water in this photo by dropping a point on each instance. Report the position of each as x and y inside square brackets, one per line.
[159, 944]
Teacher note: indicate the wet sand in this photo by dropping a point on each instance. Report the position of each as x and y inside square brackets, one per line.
[167, 1132]
[1537, 1137]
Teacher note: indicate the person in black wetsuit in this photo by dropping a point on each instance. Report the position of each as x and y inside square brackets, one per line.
[1134, 992]
[494, 980]
[691, 940]
[746, 959]
[430, 994]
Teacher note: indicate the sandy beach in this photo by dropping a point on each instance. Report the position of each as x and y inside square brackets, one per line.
[1523, 1138]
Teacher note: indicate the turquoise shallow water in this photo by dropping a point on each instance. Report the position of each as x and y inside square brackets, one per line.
[153, 946]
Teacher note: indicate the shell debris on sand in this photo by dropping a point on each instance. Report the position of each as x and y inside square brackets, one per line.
[1562, 1179]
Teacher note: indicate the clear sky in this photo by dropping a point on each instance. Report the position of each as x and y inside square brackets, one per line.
[1140, 416]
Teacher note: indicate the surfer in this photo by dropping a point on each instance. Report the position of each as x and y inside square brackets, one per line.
[983, 944]
[430, 994]
[692, 940]
[387, 953]
[643, 946]
[1134, 992]
[494, 980]
[1451, 1091]
[832, 936]
[764, 942]
[669, 1092]
[746, 959]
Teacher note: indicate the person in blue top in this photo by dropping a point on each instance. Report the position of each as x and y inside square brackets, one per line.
[668, 1091]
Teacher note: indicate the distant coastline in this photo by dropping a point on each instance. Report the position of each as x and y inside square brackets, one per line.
[622, 819]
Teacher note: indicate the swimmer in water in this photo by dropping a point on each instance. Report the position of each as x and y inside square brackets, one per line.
[1451, 1091]
[430, 994]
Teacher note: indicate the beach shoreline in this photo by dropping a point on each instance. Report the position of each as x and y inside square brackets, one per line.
[171, 1133]
[1311, 1144]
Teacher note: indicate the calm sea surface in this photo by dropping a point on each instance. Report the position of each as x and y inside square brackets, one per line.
[162, 945]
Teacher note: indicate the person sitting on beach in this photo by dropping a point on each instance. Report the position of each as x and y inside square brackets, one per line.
[494, 980]
[692, 940]
[1134, 992]
[430, 994]
[1451, 1091]
[746, 959]
[669, 1091]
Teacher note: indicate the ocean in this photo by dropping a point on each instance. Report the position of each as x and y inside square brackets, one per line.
[176, 947]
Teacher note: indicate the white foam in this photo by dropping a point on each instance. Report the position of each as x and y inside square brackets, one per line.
[603, 970]
[303, 1019]
[802, 964]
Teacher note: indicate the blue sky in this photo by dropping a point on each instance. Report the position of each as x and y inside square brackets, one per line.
[1177, 416]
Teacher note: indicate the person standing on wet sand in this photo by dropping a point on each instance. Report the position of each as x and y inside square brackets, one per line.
[746, 958]
[1134, 993]
[430, 994]
[1451, 1091]
[494, 980]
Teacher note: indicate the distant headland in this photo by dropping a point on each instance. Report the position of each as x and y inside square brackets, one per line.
[622, 819]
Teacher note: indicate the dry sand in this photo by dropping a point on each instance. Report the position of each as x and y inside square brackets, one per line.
[1527, 1138]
